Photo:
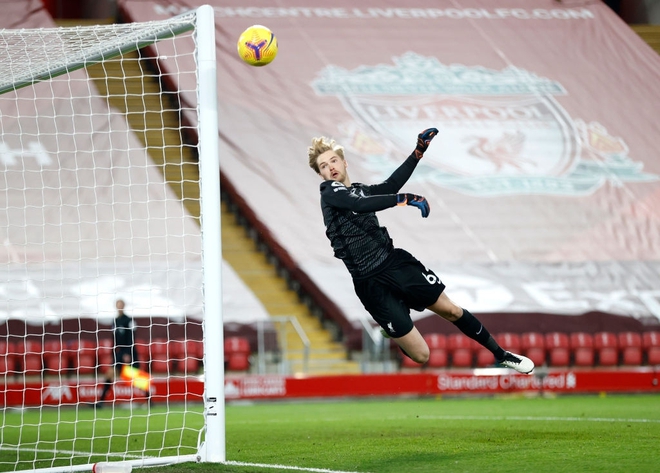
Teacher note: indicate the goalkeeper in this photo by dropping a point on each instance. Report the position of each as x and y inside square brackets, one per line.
[390, 281]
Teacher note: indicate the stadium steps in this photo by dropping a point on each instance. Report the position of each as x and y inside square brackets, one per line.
[650, 34]
[242, 253]
[148, 110]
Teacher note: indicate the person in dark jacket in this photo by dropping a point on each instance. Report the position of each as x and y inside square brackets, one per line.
[125, 352]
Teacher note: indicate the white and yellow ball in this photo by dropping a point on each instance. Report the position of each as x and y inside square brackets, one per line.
[257, 45]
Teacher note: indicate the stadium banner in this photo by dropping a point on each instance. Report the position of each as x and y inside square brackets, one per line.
[542, 179]
[272, 387]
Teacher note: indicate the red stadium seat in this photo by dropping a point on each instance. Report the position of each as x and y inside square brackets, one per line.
[630, 345]
[4, 357]
[407, 362]
[12, 358]
[82, 356]
[159, 356]
[509, 341]
[460, 350]
[104, 354]
[557, 346]
[55, 359]
[237, 354]
[437, 343]
[28, 353]
[651, 346]
[437, 359]
[582, 348]
[143, 354]
[532, 345]
[607, 351]
[187, 355]
[483, 356]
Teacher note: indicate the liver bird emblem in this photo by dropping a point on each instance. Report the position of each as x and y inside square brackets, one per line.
[501, 151]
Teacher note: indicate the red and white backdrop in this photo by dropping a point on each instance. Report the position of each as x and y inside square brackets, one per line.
[140, 245]
[543, 180]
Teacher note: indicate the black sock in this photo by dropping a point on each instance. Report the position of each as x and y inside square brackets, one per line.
[470, 326]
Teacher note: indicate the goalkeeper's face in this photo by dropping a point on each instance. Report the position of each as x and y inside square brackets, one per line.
[332, 167]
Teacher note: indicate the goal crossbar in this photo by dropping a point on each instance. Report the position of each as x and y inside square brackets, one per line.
[21, 65]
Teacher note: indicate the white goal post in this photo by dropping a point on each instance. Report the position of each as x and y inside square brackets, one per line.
[110, 191]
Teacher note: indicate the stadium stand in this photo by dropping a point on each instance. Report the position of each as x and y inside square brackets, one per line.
[237, 354]
[160, 359]
[482, 357]
[630, 345]
[437, 343]
[651, 344]
[4, 358]
[407, 362]
[460, 350]
[162, 356]
[81, 356]
[558, 348]
[104, 353]
[186, 355]
[28, 356]
[607, 349]
[582, 348]
[532, 345]
[54, 357]
[143, 354]
[509, 341]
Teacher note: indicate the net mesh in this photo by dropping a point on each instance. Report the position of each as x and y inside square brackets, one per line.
[99, 202]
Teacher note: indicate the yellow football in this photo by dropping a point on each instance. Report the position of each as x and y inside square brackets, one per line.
[257, 45]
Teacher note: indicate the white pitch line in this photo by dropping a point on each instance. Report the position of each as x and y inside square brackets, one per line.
[441, 417]
[285, 467]
[541, 418]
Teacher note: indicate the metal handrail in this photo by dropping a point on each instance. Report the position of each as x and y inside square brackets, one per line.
[305, 341]
[282, 340]
[373, 343]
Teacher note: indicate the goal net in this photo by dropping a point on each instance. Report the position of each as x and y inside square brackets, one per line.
[103, 213]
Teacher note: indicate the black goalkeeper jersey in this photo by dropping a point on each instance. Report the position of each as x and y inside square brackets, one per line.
[349, 214]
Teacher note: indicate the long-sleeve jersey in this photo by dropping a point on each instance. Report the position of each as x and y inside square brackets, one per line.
[349, 214]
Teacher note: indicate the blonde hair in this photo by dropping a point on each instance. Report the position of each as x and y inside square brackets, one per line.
[319, 146]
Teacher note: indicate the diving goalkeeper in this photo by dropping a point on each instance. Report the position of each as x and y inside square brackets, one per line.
[390, 281]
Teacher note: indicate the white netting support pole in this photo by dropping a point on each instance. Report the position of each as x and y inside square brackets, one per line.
[213, 449]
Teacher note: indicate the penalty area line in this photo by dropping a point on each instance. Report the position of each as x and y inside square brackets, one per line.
[285, 467]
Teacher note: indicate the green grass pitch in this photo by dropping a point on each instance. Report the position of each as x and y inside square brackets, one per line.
[613, 433]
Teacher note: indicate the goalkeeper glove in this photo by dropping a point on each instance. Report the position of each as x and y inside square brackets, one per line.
[423, 141]
[416, 200]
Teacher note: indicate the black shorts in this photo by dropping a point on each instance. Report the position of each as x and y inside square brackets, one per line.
[389, 295]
